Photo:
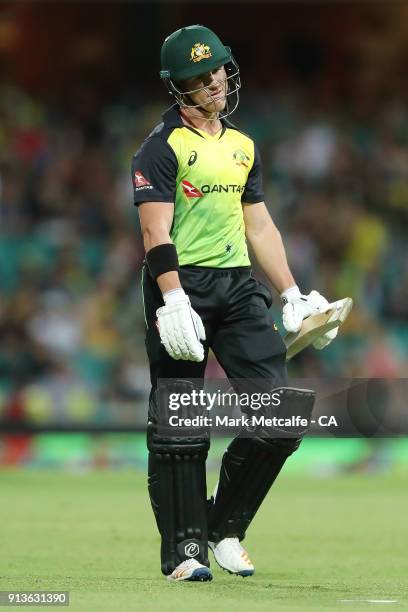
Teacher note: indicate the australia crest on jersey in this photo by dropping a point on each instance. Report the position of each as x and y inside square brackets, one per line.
[241, 158]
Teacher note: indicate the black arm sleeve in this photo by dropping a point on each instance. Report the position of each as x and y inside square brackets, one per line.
[154, 171]
[253, 192]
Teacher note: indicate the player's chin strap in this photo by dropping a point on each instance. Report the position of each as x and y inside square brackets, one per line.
[252, 462]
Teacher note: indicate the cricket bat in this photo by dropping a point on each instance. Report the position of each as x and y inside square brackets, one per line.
[316, 325]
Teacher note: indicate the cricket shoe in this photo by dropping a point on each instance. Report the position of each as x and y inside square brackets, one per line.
[191, 570]
[231, 556]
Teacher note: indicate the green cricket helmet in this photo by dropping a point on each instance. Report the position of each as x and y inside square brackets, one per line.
[196, 50]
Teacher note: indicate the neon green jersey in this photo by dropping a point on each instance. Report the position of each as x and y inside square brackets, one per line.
[207, 177]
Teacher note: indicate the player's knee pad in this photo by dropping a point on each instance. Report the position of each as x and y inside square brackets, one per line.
[250, 465]
[177, 482]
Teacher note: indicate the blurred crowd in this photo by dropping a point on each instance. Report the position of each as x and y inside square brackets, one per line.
[71, 317]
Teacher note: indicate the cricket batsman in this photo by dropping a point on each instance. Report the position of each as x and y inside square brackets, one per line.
[197, 183]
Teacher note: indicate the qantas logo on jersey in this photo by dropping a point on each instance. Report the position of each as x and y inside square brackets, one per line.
[190, 190]
[222, 188]
[140, 181]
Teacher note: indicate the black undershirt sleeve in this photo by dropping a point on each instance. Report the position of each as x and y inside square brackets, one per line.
[253, 192]
[154, 171]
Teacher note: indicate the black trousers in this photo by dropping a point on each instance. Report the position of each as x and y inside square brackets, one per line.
[240, 330]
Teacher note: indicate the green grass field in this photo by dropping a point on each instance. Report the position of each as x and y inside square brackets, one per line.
[314, 543]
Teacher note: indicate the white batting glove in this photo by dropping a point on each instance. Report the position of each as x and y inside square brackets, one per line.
[297, 307]
[180, 327]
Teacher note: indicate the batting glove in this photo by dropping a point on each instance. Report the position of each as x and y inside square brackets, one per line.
[297, 307]
[180, 327]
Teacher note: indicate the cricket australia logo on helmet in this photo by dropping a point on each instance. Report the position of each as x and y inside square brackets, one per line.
[190, 190]
[191, 550]
[200, 52]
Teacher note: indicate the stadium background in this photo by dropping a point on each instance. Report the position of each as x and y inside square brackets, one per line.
[325, 97]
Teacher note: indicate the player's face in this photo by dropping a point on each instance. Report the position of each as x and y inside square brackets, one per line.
[212, 88]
